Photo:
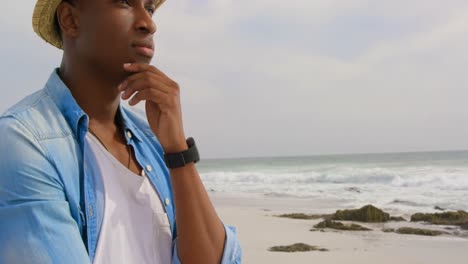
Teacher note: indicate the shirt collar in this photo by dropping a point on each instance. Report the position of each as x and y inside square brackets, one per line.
[74, 115]
[64, 100]
[128, 124]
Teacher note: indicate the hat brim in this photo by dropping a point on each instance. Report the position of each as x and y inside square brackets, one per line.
[43, 21]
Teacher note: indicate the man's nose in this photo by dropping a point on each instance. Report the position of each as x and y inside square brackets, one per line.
[144, 21]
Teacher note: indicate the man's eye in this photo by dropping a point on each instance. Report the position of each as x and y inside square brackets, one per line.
[150, 10]
[124, 2]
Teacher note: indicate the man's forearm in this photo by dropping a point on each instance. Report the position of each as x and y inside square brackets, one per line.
[200, 232]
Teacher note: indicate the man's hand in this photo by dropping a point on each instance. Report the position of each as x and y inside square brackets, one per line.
[162, 96]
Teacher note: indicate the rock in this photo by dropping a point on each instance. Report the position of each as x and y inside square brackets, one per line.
[413, 231]
[464, 226]
[298, 247]
[368, 214]
[439, 208]
[418, 231]
[304, 216]
[340, 226]
[445, 218]
[397, 218]
[406, 202]
[353, 189]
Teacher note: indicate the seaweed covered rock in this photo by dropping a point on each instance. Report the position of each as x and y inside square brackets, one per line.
[298, 247]
[304, 216]
[418, 231]
[445, 218]
[368, 214]
[413, 231]
[464, 226]
[340, 226]
[397, 219]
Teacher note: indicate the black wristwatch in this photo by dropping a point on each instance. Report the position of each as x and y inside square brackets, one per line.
[180, 159]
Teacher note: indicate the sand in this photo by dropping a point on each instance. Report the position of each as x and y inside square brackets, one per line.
[259, 229]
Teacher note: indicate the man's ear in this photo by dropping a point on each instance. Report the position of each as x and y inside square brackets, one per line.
[68, 19]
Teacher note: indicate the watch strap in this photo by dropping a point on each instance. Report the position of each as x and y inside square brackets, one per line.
[180, 159]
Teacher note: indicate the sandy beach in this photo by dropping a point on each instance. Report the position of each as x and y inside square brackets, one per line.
[259, 229]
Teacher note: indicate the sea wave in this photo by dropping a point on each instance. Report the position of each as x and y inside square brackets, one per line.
[407, 189]
[398, 182]
[443, 178]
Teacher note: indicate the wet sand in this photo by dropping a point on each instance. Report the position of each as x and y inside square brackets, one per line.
[259, 229]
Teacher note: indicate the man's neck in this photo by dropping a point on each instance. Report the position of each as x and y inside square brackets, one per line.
[98, 96]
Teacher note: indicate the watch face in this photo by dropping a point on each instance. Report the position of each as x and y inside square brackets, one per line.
[190, 141]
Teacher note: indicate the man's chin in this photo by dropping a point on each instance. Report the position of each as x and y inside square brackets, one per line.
[136, 57]
[144, 60]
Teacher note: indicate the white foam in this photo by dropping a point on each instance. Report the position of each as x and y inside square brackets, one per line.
[416, 187]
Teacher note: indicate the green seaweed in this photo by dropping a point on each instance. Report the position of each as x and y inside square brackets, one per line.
[304, 216]
[297, 247]
[418, 231]
[445, 218]
[413, 231]
[340, 226]
[368, 214]
[397, 219]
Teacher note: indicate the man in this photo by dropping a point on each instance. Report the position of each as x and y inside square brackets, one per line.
[84, 179]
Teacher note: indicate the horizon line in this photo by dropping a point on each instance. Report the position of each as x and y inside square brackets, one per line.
[337, 154]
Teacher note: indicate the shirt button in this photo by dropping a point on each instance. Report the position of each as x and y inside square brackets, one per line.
[129, 134]
[167, 201]
[143, 173]
[148, 168]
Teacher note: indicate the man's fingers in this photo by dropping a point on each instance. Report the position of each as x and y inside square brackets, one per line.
[142, 84]
[146, 75]
[150, 95]
[138, 67]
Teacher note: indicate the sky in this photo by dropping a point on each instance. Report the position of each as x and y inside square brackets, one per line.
[287, 78]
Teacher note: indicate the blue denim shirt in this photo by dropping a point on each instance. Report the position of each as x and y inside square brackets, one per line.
[51, 205]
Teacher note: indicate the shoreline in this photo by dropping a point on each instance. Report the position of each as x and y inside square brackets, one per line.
[258, 230]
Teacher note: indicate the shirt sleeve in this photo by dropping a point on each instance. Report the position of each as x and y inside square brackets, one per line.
[232, 250]
[36, 223]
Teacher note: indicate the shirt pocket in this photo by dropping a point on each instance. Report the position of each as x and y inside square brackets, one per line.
[164, 237]
[162, 220]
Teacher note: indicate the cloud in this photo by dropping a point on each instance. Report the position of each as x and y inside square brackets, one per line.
[268, 77]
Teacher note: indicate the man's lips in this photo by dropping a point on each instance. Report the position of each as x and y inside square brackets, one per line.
[144, 49]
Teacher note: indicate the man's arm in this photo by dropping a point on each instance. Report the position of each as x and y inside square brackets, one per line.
[35, 221]
[201, 235]
[232, 250]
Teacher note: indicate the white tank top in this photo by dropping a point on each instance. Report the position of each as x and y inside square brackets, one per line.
[135, 227]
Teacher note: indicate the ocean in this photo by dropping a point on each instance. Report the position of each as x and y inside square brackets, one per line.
[399, 182]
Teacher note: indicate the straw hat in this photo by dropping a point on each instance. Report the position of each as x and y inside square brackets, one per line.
[43, 20]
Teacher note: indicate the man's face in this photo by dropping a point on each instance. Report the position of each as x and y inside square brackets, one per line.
[114, 32]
